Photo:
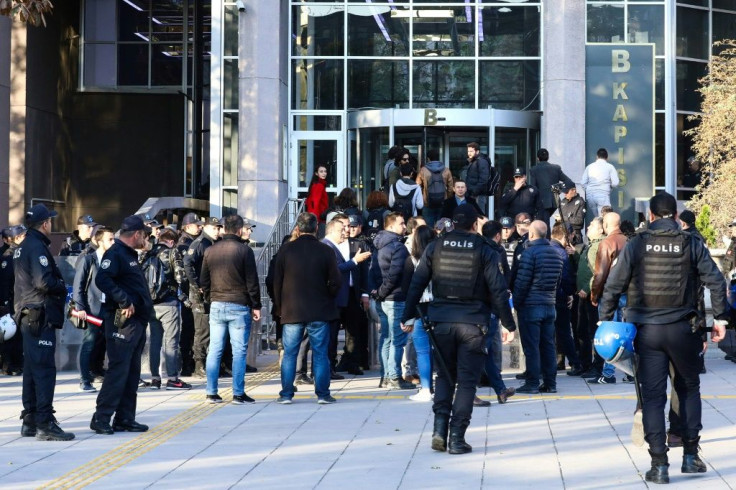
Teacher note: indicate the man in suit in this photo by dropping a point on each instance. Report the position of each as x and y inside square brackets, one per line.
[305, 283]
[543, 175]
[460, 197]
[336, 234]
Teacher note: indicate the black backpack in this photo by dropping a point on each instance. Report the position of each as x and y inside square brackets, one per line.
[157, 272]
[374, 222]
[436, 189]
[404, 204]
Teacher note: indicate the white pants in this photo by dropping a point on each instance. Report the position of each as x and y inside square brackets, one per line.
[596, 201]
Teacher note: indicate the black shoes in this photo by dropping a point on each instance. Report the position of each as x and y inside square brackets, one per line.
[336, 377]
[528, 389]
[101, 427]
[356, 371]
[28, 429]
[50, 431]
[575, 371]
[250, 369]
[457, 441]
[505, 395]
[242, 399]
[439, 435]
[547, 389]
[128, 426]
[521, 376]
[477, 402]
[399, 384]
[303, 379]
[659, 473]
[691, 462]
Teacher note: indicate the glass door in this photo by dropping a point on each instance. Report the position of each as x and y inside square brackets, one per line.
[309, 151]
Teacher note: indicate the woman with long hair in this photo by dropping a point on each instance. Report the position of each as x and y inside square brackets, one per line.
[317, 201]
[423, 236]
[376, 209]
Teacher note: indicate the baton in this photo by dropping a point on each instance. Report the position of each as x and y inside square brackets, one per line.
[428, 326]
[90, 319]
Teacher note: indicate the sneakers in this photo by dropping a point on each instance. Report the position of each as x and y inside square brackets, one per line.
[86, 387]
[156, 384]
[603, 380]
[423, 395]
[575, 371]
[177, 384]
[303, 379]
[506, 394]
[282, 400]
[50, 431]
[328, 400]
[143, 384]
[547, 389]
[399, 384]
[528, 389]
[628, 379]
[213, 399]
[242, 399]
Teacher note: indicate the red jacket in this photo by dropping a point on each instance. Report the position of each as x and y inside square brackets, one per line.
[317, 201]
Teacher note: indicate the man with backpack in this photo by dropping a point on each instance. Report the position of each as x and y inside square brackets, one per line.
[480, 177]
[162, 266]
[405, 196]
[435, 179]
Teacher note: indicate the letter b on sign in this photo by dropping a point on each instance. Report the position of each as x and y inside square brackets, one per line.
[620, 61]
[430, 117]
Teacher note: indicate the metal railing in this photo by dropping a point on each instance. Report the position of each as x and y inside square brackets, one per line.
[282, 228]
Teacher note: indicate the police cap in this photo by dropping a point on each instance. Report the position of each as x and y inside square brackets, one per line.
[86, 220]
[212, 221]
[16, 230]
[355, 220]
[134, 223]
[663, 205]
[248, 224]
[688, 217]
[191, 219]
[507, 222]
[39, 213]
[518, 172]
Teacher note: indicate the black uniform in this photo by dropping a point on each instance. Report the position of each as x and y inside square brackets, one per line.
[661, 267]
[12, 349]
[186, 340]
[39, 295]
[193, 267]
[73, 245]
[573, 212]
[462, 305]
[729, 260]
[121, 280]
[524, 200]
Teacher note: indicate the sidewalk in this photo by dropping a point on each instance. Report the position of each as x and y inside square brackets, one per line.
[371, 438]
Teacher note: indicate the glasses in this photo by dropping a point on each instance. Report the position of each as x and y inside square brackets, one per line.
[405, 159]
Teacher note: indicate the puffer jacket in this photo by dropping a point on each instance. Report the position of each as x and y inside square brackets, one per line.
[387, 268]
[538, 275]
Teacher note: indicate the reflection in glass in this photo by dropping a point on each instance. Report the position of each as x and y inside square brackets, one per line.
[132, 64]
[509, 84]
[692, 33]
[99, 18]
[317, 123]
[230, 148]
[722, 4]
[378, 83]
[686, 177]
[659, 84]
[229, 201]
[318, 30]
[659, 150]
[317, 152]
[166, 67]
[373, 31]
[99, 65]
[230, 84]
[444, 84]
[442, 32]
[133, 20]
[605, 23]
[646, 25]
[688, 74]
[230, 31]
[509, 31]
[317, 84]
[724, 27]
[374, 145]
[510, 153]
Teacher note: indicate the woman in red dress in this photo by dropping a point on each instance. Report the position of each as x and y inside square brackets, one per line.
[317, 201]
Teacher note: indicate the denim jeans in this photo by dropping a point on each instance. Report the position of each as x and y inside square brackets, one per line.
[537, 325]
[431, 215]
[493, 346]
[85, 351]
[424, 354]
[234, 319]
[319, 339]
[393, 339]
[165, 325]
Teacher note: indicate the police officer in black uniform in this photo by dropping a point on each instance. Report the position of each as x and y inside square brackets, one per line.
[459, 313]
[572, 208]
[12, 349]
[79, 240]
[191, 227]
[39, 310]
[126, 311]
[661, 268]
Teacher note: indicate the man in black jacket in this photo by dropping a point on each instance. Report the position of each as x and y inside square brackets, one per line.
[573, 212]
[480, 176]
[79, 240]
[128, 301]
[521, 198]
[460, 197]
[229, 281]
[39, 310]
[306, 281]
[191, 228]
[543, 176]
[11, 350]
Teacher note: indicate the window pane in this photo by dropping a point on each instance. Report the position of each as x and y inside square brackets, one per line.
[605, 23]
[313, 153]
[317, 123]
[230, 148]
[377, 83]
[724, 27]
[444, 84]
[646, 25]
[167, 22]
[318, 30]
[166, 66]
[230, 85]
[99, 65]
[509, 84]
[659, 84]
[698, 3]
[723, 4]
[99, 20]
[133, 64]
[692, 33]
[317, 84]
[231, 31]
[659, 150]
[509, 31]
[688, 74]
[687, 175]
[443, 32]
[373, 31]
[133, 20]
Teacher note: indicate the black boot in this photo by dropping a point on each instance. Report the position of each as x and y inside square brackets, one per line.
[439, 435]
[50, 431]
[457, 441]
[199, 369]
[659, 472]
[28, 429]
[691, 462]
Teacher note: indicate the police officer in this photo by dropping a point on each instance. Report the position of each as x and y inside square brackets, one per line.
[12, 349]
[193, 267]
[126, 312]
[459, 312]
[79, 240]
[191, 227]
[572, 208]
[39, 310]
[729, 260]
[661, 267]
[521, 198]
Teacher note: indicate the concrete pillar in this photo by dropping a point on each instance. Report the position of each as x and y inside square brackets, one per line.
[563, 123]
[4, 117]
[17, 132]
[263, 104]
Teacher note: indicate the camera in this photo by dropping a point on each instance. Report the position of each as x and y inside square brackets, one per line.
[241, 5]
[558, 188]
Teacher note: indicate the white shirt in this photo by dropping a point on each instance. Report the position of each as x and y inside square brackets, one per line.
[599, 177]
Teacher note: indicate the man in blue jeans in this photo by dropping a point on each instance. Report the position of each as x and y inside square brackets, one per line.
[229, 280]
[305, 283]
[535, 292]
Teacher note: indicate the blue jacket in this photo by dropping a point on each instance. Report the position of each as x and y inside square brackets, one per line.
[538, 276]
[345, 268]
[567, 280]
[387, 267]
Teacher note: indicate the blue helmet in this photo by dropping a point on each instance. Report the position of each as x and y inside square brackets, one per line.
[614, 342]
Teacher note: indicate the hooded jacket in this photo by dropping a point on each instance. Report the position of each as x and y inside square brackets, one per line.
[387, 266]
[405, 185]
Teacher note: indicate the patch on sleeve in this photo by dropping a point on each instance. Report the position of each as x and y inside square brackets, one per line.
[105, 264]
[44, 261]
[190, 251]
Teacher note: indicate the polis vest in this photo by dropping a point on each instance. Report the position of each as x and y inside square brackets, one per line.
[457, 266]
[661, 278]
